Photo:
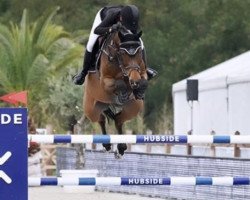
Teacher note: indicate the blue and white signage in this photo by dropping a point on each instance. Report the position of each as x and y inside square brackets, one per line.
[13, 154]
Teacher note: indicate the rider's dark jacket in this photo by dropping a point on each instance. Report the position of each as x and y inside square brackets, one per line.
[109, 15]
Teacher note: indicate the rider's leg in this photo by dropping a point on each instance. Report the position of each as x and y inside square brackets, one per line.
[150, 72]
[80, 77]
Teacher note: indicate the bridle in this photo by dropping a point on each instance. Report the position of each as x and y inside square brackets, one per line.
[131, 48]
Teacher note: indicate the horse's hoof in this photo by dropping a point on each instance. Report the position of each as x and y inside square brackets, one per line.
[117, 155]
[105, 150]
[121, 148]
[107, 147]
[123, 99]
[139, 93]
[139, 96]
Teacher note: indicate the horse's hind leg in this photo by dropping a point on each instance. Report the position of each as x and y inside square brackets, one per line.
[102, 122]
[130, 110]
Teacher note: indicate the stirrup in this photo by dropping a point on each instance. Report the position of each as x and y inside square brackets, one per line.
[151, 73]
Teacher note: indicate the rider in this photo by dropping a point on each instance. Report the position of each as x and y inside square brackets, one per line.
[105, 22]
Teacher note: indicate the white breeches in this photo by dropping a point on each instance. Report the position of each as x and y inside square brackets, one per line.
[93, 37]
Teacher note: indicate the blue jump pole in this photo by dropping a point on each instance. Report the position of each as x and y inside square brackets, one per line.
[114, 181]
[133, 139]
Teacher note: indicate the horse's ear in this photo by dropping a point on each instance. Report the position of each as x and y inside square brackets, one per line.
[139, 34]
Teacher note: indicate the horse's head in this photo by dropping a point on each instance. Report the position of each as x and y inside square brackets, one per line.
[126, 49]
[130, 57]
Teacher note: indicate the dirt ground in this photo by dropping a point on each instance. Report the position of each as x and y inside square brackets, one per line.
[58, 193]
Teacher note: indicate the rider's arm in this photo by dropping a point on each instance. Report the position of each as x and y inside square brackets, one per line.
[106, 24]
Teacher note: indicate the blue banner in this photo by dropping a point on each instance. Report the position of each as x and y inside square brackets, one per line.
[13, 154]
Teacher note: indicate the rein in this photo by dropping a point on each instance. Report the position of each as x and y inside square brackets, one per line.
[104, 45]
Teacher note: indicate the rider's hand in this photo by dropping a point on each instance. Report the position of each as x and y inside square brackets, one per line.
[115, 27]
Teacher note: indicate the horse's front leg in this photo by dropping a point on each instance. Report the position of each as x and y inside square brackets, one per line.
[121, 147]
[108, 84]
[118, 88]
[139, 92]
[121, 90]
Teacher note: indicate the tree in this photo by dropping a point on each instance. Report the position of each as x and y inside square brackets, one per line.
[31, 54]
[181, 37]
[63, 106]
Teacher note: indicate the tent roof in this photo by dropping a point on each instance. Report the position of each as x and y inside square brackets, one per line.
[229, 71]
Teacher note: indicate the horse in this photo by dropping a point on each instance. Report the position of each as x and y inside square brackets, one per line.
[117, 89]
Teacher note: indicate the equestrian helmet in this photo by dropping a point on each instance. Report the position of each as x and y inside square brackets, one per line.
[130, 17]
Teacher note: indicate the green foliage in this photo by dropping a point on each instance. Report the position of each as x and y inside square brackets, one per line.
[185, 37]
[181, 38]
[32, 54]
[63, 102]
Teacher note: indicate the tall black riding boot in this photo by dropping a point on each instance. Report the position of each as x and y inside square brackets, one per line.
[79, 78]
[150, 72]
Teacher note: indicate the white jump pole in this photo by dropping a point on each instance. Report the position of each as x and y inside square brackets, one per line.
[133, 139]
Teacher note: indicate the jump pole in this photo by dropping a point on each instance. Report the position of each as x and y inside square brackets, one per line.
[116, 181]
[142, 139]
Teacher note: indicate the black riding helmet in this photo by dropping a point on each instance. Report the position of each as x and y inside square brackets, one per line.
[130, 17]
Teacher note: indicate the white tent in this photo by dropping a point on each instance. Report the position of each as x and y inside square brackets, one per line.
[224, 100]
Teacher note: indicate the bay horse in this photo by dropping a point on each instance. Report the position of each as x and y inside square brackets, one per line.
[117, 89]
